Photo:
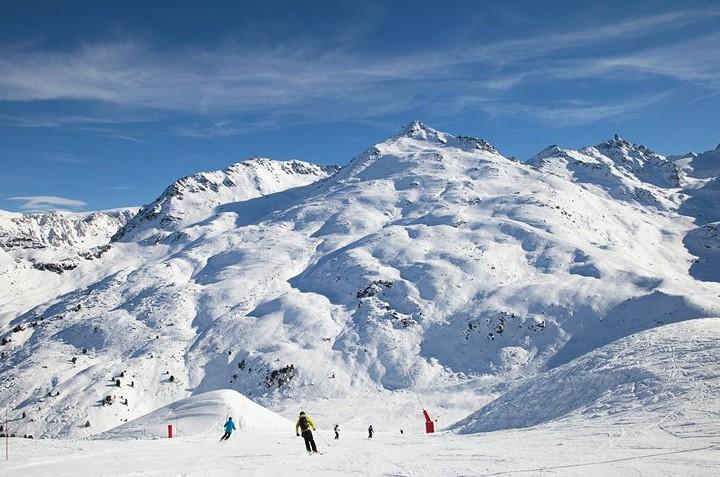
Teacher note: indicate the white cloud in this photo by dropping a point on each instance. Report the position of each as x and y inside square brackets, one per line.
[45, 203]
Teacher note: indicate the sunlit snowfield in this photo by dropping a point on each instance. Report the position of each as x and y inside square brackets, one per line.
[578, 447]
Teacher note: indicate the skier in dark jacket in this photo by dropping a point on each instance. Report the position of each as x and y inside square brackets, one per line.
[370, 432]
[229, 427]
[337, 431]
[304, 424]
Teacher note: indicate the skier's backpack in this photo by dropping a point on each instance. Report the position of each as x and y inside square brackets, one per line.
[303, 423]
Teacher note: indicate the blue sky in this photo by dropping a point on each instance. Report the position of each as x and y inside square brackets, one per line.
[103, 104]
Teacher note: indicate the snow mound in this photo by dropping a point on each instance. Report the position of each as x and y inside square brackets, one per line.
[202, 414]
[668, 371]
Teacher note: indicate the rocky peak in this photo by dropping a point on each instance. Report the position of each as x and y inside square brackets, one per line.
[617, 147]
[421, 131]
[418, 130]
[551, 151]
[473, 143]
[638, 160]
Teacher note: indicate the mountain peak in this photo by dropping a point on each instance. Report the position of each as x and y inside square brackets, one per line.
[551, 150]
[622, 147]
[419, 130]
[641, 161]
[471, 142]
[550, 154]
[617, 141]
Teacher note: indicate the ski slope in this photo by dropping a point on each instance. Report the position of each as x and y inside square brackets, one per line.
[575, 448]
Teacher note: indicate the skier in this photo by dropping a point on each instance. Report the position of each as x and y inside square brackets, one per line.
[370, 432]
[304, 424]
[337, 431]
[229, 427]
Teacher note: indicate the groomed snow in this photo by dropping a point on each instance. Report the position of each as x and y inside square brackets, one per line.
[577, 448]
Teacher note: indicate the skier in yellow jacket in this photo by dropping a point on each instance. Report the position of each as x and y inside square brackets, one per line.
[304, 424]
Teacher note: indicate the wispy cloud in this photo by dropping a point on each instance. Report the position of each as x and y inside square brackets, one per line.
[696, 60]
[64, 158]
[118, 188]
[113, 125]
[48, 121]
[45, 203]
[542, 45]
[231, 90]
[570, 112]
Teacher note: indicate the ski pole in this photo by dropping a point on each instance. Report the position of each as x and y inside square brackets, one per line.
[420, 401]
[323, 439]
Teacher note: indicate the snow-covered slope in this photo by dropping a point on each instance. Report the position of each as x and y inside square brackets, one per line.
[427, 262]
[669, 372]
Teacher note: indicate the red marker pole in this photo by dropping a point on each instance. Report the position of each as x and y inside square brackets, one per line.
[429, 424]
[169, 431]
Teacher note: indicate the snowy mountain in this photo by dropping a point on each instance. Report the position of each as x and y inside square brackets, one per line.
[640, 161]
[60, 229]
[189, 199]
[622, 170]
[701, 166]
[37, 250]
[429, 262]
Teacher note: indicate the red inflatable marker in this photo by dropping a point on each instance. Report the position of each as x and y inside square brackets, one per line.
[429, 424]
